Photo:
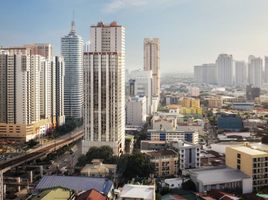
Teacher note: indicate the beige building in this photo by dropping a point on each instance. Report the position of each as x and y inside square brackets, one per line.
[250, 161]
[165, 161]
[152, 62]
[215, 102]
[26, 94]
[98, 169]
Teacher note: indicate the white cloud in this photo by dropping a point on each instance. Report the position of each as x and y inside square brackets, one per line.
[116, 5]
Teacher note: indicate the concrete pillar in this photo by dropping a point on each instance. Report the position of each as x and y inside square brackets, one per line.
[18, 180]
[4, 190]
[31, 176]
[41, 171]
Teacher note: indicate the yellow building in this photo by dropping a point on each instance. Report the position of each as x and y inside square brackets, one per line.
[190, 106]
[215, 102]
[165, 162]
[252, 162]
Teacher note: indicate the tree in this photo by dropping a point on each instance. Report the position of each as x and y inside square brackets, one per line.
[135, 165]
[189, 185]
[264, 139]
[31, 143]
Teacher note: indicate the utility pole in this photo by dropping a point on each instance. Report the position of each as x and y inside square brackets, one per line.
[1, 185]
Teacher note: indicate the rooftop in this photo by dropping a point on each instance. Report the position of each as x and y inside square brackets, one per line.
[76, 183]
[146, 192]
[54, 193]
[209, 176]
[91, 194]
[161, 153]
[249, 151]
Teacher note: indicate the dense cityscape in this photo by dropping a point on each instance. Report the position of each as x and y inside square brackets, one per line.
[82, 125]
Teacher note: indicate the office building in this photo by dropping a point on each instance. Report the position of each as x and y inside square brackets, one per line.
[252, 92]
[104, 87]
[172, 135]
[152, 62]
[136, 111]
[255, 71]
[140, 84]
[224, 65]
[240, 73]
[72, 51]
[251, 161]
[205, 74]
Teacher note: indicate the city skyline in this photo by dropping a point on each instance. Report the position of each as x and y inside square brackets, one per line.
[223, 27]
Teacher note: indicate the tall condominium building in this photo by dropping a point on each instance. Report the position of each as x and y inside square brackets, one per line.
[26, 94]
[255, 71]
[104, 87]
[240, 73]
[224, 65]
[205, 73]
[72, 51]
[152, 62]
[265, 79]
[140, 84]
[136, 111]
[251, 161]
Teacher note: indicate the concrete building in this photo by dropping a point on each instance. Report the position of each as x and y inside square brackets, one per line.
[205, 74]
[250, 161]
[72, 51]
[224, 65]
[27, 98]
[221, 178]
[240, 73]
[173, 135]
[255, 70]
[104, 87]
[152, 62]
[140, 84]
[194, 91]
[98, 169]
[252, 92]
[136, 111]
[215, 102]
[165, 162]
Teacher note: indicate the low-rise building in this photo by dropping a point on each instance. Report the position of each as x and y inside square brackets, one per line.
[250, 161]
[222, 178]
[98, 169]
[165, 162]
[172, 135]
[215, 102]
[247, 106]
[137, 192]
[55, 193]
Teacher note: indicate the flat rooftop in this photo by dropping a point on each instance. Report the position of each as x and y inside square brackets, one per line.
[209, 176]
[138, 192]
[249, 151]
[161, 153]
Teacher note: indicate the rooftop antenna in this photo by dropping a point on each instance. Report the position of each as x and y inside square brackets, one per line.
[73, 24]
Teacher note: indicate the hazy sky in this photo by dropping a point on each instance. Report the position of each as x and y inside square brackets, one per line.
[191, 32]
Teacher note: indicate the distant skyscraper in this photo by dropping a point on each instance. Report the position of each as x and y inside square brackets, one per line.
[255, 71]
[140, 84]
[72, 51]
[205, 73]
[104, 87]
[240, 73]
[265, 69]
[152, 62]
[224, 65]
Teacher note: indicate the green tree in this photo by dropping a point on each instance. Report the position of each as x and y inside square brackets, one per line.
[188, 185]
[135, 165]
[264, 139]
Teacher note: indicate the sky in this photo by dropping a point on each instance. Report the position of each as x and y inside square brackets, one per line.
[191, 32]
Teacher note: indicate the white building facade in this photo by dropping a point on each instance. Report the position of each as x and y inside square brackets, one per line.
[136, 111]
[224, 65]
[205, 73]
[104, 87]
[240, 73]
[255, 70]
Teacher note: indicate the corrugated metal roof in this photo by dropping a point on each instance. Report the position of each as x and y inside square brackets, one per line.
[76, 183]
